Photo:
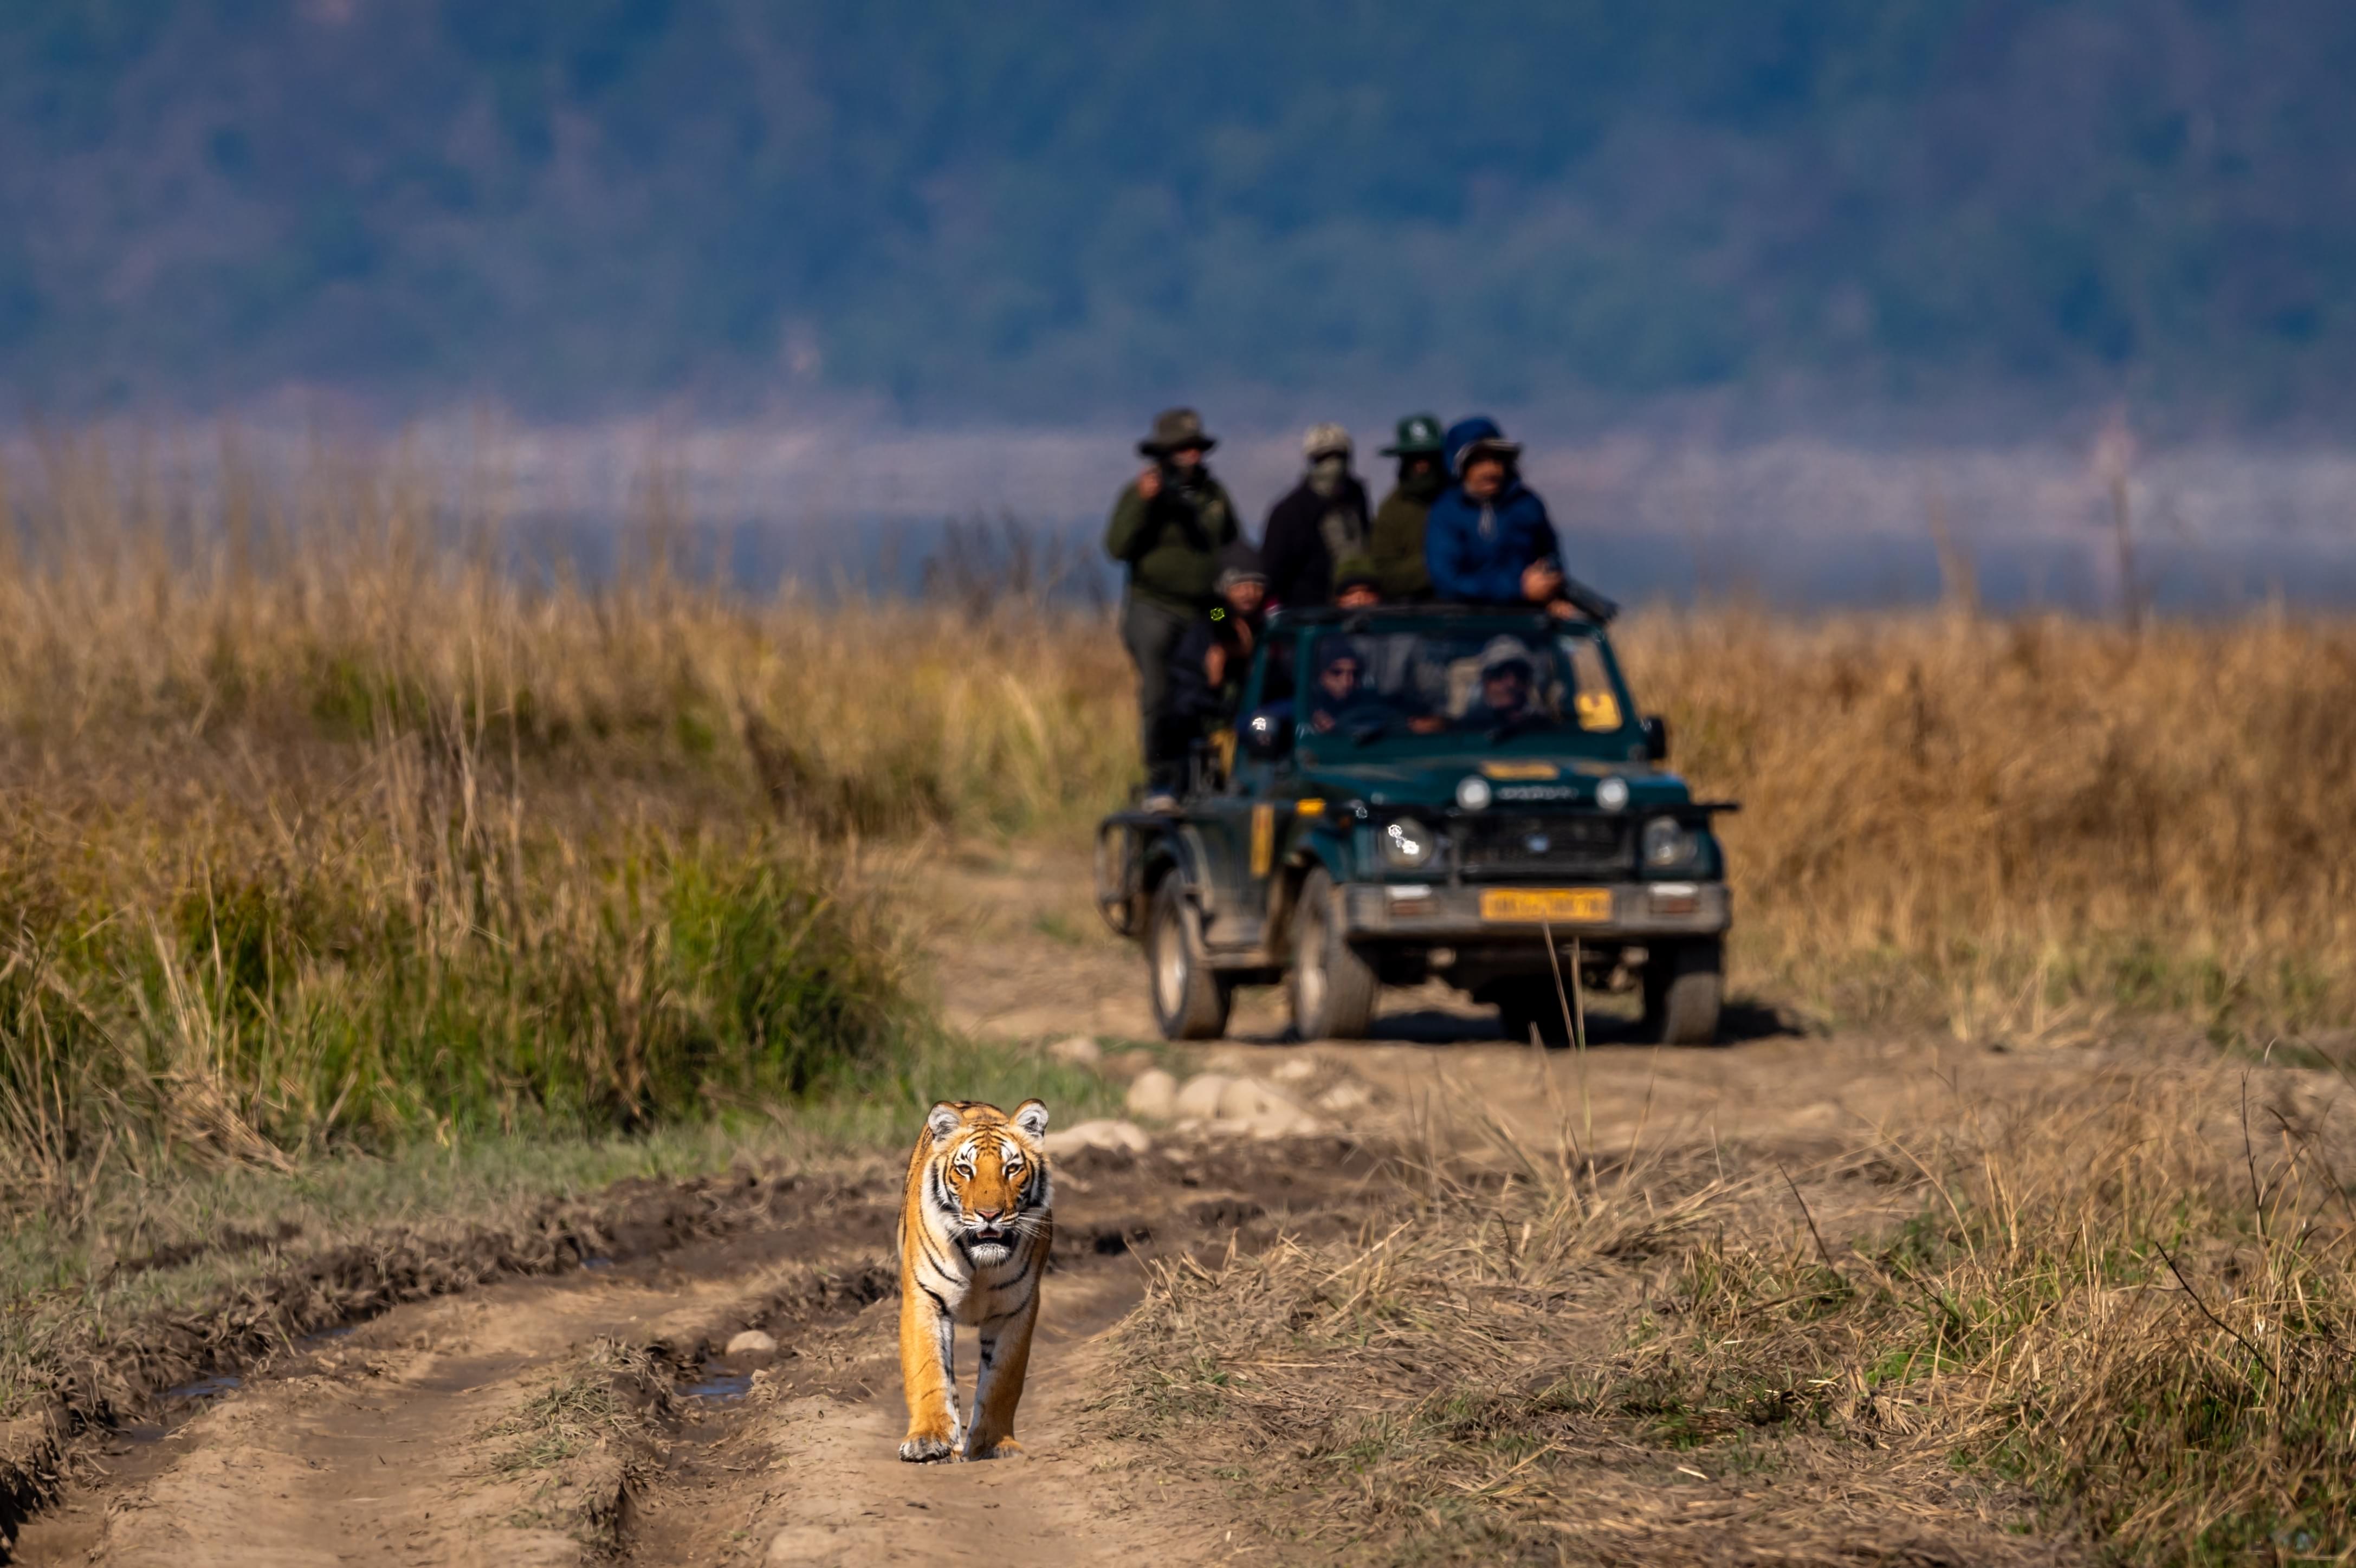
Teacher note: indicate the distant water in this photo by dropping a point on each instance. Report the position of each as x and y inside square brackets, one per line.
[1793, 524]
[884, 556]
[855, 507]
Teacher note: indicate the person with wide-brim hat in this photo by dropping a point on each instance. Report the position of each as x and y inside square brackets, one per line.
[1395, 553]
[1176, 431]
[1167, 529]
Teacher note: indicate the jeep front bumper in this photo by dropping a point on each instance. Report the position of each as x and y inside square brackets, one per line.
[1442, 913]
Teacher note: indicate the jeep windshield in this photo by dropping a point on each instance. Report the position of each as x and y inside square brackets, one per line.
[1471, 686]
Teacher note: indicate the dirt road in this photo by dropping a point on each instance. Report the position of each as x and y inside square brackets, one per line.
[552, 1422]
[591, 1415]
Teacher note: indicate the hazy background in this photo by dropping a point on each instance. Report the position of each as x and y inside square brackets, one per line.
[1765, 281]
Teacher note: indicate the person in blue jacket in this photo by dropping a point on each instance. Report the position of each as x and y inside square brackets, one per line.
[1489, 540]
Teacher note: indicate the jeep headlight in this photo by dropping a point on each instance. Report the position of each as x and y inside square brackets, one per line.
[1669, 844]
[1407, 844]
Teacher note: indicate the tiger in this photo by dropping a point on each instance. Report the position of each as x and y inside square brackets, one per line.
[976, 1221]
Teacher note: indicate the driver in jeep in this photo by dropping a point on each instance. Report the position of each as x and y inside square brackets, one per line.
[1338, 697]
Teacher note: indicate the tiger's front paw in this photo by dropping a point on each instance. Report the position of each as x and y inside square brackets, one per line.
[925, 1449]
[1004, 1448]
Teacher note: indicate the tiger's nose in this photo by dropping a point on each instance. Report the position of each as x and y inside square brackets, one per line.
[990, 1216]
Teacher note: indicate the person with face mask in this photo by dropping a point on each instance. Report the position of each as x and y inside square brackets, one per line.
[1323, 520]
[1167, 527]
[1396, 554]
[1489, 539]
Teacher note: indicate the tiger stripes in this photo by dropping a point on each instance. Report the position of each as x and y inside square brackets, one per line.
[976, 1220]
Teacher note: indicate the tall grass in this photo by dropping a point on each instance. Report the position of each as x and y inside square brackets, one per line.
[323, 823]
[2019, 826]
[322, 827]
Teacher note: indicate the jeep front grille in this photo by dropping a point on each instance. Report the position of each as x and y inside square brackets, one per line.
[1501, 847]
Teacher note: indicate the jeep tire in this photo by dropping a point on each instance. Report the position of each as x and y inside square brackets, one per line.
[1332, 986]
[1190, 997]
[1684, 983]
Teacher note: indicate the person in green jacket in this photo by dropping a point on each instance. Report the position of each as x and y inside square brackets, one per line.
[1167, 527]
[1396, 540]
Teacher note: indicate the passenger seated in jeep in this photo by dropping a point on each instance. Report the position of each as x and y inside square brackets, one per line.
[1508, 689]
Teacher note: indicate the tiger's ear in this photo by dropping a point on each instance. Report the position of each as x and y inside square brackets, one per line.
[943, 1120]
[1031, 1117]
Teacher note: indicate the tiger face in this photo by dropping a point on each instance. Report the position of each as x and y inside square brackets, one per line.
[992, 1188]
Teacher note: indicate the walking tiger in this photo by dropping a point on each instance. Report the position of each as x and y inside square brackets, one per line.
[975, 1224]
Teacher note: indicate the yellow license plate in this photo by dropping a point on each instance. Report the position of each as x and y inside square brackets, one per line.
[1546, 906]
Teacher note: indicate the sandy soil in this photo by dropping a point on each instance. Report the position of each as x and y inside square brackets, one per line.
[396, 1444]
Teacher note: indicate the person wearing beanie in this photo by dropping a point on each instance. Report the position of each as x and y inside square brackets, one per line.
[1206, 672]
[1489, 539]
[1167, 529]
[1322, 520]
[1396, 556]
[1358, 583]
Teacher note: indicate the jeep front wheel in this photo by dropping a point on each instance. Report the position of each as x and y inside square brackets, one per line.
[1189, 999]
[1333, 988]
[1684, 982]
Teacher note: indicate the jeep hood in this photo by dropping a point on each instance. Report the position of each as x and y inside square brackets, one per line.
[1512, 781]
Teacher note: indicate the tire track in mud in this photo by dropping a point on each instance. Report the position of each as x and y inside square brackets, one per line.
[426, 1374]
[104, 1387]
[399, 1443]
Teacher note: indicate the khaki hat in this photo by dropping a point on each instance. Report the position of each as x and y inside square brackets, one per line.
[1324, 441]
[1174, 430]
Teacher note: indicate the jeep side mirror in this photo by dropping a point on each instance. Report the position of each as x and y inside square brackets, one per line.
[1656, 738]
[1268, 733]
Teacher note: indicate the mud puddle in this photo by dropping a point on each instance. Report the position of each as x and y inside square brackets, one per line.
[716, 1385]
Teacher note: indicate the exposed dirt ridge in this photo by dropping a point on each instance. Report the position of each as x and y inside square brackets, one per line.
[104, 1385]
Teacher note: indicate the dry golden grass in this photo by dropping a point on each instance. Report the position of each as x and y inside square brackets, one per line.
[2022, 826]
[320, 828]
[2115, 1321]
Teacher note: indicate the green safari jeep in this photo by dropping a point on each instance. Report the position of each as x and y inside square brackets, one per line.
[1415, 792]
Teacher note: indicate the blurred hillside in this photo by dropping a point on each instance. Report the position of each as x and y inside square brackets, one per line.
[1020, 211]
